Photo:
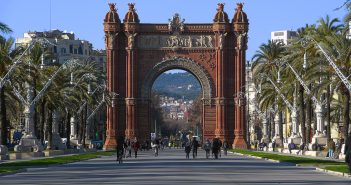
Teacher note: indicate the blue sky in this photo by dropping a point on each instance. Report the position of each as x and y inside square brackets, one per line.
[85, 17]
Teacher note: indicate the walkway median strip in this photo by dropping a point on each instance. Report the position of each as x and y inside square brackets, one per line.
[16, 166]
[320, 164]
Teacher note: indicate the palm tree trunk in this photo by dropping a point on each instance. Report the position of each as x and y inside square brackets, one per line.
[4, 125]
[42, 121]
[308, 118]
[302, 115]
[271, 124]
[35, 115]
[328, 114]
[68, 129]
[346, 114]
[80, 131]
[84, 125]
[49, 130]
[281, 128]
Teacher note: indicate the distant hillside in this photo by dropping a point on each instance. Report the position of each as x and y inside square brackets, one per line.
[177, 85]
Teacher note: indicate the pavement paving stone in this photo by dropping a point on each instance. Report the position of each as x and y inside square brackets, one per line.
[171, 167]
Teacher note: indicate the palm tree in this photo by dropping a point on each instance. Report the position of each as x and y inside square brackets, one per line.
[4, 28]
[7, 53]
[338, 46]
[325, 28]
[266, 62]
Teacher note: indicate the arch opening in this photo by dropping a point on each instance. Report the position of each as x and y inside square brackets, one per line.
[176, 107]
[178, 63]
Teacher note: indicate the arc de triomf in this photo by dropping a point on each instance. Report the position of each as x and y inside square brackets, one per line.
[137, 53]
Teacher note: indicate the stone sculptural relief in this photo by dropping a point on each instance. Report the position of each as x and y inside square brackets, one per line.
[175, 41]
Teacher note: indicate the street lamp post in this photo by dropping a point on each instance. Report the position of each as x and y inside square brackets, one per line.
[74, 136]
[318, 106]
[29, 142]
[291, 107]
[6, 79]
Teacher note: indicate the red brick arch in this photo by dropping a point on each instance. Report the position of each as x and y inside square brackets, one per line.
[138, 53]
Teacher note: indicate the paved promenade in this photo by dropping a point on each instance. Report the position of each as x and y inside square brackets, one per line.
[171, 167]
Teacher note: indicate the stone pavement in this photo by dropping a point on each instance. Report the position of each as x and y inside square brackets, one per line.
[171, 167]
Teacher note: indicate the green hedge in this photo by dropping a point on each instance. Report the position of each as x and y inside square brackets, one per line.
[13, 166]
[325, 164]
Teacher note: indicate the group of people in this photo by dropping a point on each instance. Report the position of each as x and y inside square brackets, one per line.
[125, 147]
[191, 145]
[214, 146]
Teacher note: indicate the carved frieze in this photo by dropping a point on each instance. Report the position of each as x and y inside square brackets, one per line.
[209, 60]
[110, 40]
[241, 39]
[175, 41]
[221, 38]
[131, 40]
[130, 101]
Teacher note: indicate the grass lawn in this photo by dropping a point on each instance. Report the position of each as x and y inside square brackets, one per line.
[329, 165]
[13, 166]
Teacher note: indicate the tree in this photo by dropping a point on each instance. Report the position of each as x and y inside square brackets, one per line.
[5, 28]
[338, 46]
[266, 61]
[7, 53]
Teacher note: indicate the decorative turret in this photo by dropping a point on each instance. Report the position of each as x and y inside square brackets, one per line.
[112, 21]
[131, 16]
[131, 19]
[221, 21]
[221, 16]
[240, 20]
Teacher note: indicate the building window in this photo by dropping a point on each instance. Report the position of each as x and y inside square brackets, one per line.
[71, 48]
[86, 52]
[55, 49]
[278, 34]
[80, 50]
[75, 50]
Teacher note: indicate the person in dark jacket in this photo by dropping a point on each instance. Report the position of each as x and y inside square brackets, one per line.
[194, 146]
[136, 147]
[347, 152]
[187, 149]
[225, 147]
[120, 149]
[216, 146]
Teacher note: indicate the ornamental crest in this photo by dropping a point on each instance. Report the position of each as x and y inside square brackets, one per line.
[176, 23]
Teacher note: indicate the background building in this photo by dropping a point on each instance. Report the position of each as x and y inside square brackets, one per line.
[65, 47]
[283, 36]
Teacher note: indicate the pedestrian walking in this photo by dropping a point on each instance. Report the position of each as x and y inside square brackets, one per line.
[194, 146]
[220, 146]
[273, 145]
[155, 145]
[331, 148]
[207, 148]
[347, 152]
[120, 149]
[216, 147]
[129, 148]
[187, 149]
[136, 147]
[225, 147]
